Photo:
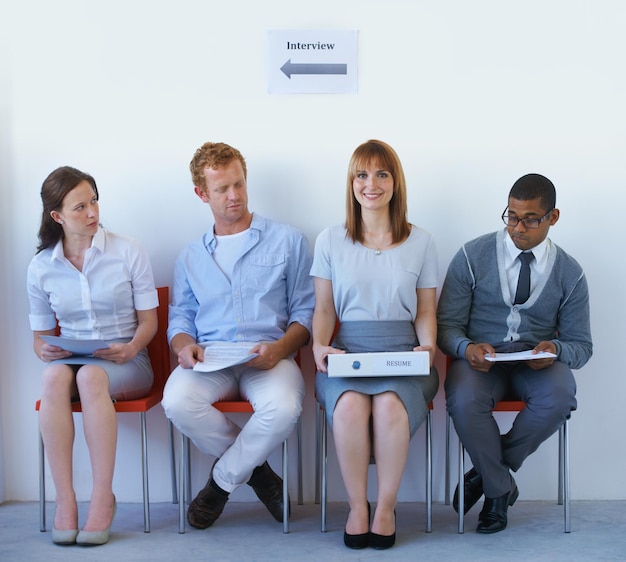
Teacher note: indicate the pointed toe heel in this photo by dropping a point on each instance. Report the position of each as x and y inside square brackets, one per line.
[64, 537]
[381, 542]
[96, 538]
[358, 542]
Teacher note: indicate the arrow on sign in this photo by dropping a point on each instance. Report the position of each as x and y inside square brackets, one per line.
[290, 68]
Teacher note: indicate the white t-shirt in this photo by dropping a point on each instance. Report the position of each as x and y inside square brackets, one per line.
[228, 250]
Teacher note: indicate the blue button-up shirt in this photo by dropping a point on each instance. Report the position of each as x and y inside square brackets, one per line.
[270, 287]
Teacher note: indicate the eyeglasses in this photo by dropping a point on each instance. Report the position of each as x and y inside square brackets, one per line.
[513, 221]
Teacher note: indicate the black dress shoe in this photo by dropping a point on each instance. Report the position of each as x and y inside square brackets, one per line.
[207, 506]
[493, 517]
[361, 540]
[473, 487]
[382, 542]
[268, 486]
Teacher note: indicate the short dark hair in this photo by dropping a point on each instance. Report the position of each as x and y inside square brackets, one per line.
[535, 186]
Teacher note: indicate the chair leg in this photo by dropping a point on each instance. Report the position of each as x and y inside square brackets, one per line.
[42, 486]
[144, 473]
[170, 427]
[447, 462]
[318, 454]
[561, 483]
[429, 474]
[323, 460]
[285, 487]
[188, 471]
[564, 432]
[461, 487]
[182, 476]
[299, 437]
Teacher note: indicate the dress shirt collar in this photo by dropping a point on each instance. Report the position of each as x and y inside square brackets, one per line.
[257, 223]
[539, 251]
[97, 242]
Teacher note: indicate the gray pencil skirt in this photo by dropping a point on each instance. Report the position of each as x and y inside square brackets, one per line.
[362, 337]
[129, 381]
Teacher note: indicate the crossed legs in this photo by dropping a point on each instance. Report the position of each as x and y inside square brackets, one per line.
[549, 395]
[276, 396]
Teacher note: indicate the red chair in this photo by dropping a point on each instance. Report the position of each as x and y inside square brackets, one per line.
[159, 353]
[238, 407]
[563, 462]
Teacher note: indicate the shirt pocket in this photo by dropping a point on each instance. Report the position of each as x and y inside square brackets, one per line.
[266, 270]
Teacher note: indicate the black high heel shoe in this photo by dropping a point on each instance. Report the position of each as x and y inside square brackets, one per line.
[360, 541]
[382, 542]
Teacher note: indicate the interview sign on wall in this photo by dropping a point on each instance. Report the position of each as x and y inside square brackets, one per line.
[312, 62]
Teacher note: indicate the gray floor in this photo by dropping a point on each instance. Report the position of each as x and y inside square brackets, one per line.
[245, 531]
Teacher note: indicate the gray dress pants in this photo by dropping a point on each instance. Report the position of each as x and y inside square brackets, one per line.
[549, 394]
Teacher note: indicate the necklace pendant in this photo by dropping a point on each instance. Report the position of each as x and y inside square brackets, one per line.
[377, 252]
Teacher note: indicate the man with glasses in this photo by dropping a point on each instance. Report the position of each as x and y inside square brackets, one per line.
[510, 291]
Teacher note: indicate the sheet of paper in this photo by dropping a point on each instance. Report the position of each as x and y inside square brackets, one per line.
[221, 355]
[77, 347]
[520, 356]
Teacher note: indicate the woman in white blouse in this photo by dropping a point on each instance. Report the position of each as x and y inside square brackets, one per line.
[95, 285]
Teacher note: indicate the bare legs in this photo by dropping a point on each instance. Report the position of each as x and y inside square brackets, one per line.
[57, 430]
[351, 431]
[391, 448]
[352, 442]
[100, 427]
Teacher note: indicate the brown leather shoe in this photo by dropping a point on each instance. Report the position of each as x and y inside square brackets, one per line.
[268, 486]
[207, 506]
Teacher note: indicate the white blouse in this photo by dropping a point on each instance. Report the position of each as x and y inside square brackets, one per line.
[99, 302]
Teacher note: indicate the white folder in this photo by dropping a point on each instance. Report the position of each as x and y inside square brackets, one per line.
[384, 364]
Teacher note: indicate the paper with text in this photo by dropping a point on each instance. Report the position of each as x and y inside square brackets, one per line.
[221, 355]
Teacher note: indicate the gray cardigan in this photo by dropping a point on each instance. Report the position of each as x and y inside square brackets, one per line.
[476, 305]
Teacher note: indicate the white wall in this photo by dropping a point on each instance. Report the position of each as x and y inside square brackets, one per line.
[471, 94]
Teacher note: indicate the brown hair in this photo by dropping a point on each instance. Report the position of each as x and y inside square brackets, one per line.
[385, 157]
[53, 191]
[213, 155]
